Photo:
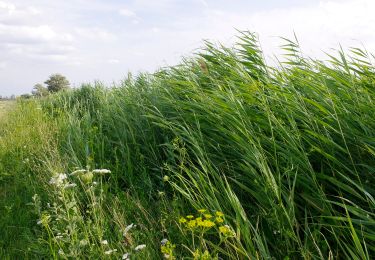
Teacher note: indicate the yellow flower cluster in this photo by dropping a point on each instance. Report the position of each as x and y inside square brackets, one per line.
[226, 231]
[204, 220]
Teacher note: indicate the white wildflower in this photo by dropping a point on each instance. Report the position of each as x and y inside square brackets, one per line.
[70, 185]
[108, 252]
[164, 241]
[101, 171]
[94, 183]
[139, 247]
[58, 179]
[104, 242]
[127, 229]
[61, 252]
[39, 222]
[126, 256]
[166, 256]
[83, 242]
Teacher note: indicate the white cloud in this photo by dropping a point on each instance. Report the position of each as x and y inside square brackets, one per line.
[113, 61]
[95, 33]
[7, 7]
[32, 34]
[127, 12]
[317, 27]
[79, 38]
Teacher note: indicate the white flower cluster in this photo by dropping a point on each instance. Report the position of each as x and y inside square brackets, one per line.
[101, 171]
[58, 180]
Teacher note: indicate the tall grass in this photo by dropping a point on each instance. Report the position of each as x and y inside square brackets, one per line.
[287, 153]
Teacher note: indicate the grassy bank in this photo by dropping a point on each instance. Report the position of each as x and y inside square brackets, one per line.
[222, 155]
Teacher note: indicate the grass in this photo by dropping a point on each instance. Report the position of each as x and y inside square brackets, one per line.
[4, 106]
[285, 153]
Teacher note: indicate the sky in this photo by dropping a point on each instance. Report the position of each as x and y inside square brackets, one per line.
[89, 40]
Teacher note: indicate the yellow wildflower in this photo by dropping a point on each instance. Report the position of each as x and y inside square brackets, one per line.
[202, 210]
[219, 220]
[191, 224]
[226, 231]
[207, 223]
[207, 216]
[182, 220]
[189, 216]
[219, 214]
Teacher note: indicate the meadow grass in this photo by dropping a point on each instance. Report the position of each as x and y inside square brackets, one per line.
[285, 153]
[5, 105]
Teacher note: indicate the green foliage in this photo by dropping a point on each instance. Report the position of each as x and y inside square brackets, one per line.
[286, 153]
[56, 83]
[39, 91]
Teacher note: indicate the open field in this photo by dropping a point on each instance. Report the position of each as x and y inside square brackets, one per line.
[221, 157]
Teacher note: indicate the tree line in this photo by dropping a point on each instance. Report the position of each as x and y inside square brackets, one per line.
[55, 83]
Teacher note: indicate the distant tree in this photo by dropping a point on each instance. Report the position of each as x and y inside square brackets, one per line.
[26, 96]
[39, 90]
[56, 83]
[12, 97]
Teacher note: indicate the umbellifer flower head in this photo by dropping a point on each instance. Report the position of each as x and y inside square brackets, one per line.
[101, 171]
[139, 247]
[108, 252]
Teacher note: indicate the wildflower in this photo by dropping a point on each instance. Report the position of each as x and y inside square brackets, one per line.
[207, 215]
[202, 210]
[127, 229]
[219, 220]
[94, 183]
[226, 231]
[101, 171]
[182, 220]
[83, 242]
[104, 242]
[77, 172]
[191, 223]
[58, 179]
[166, 178]
[61, 252]
[139, 247]
[108, 252]
[189, 216]
[164, 241]
[219, 214]
[206, 223]
[126, 256]
[70, 185]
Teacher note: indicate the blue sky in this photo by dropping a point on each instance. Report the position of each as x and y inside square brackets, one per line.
[89, 40]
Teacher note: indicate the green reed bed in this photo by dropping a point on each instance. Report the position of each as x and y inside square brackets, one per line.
[222, 155]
